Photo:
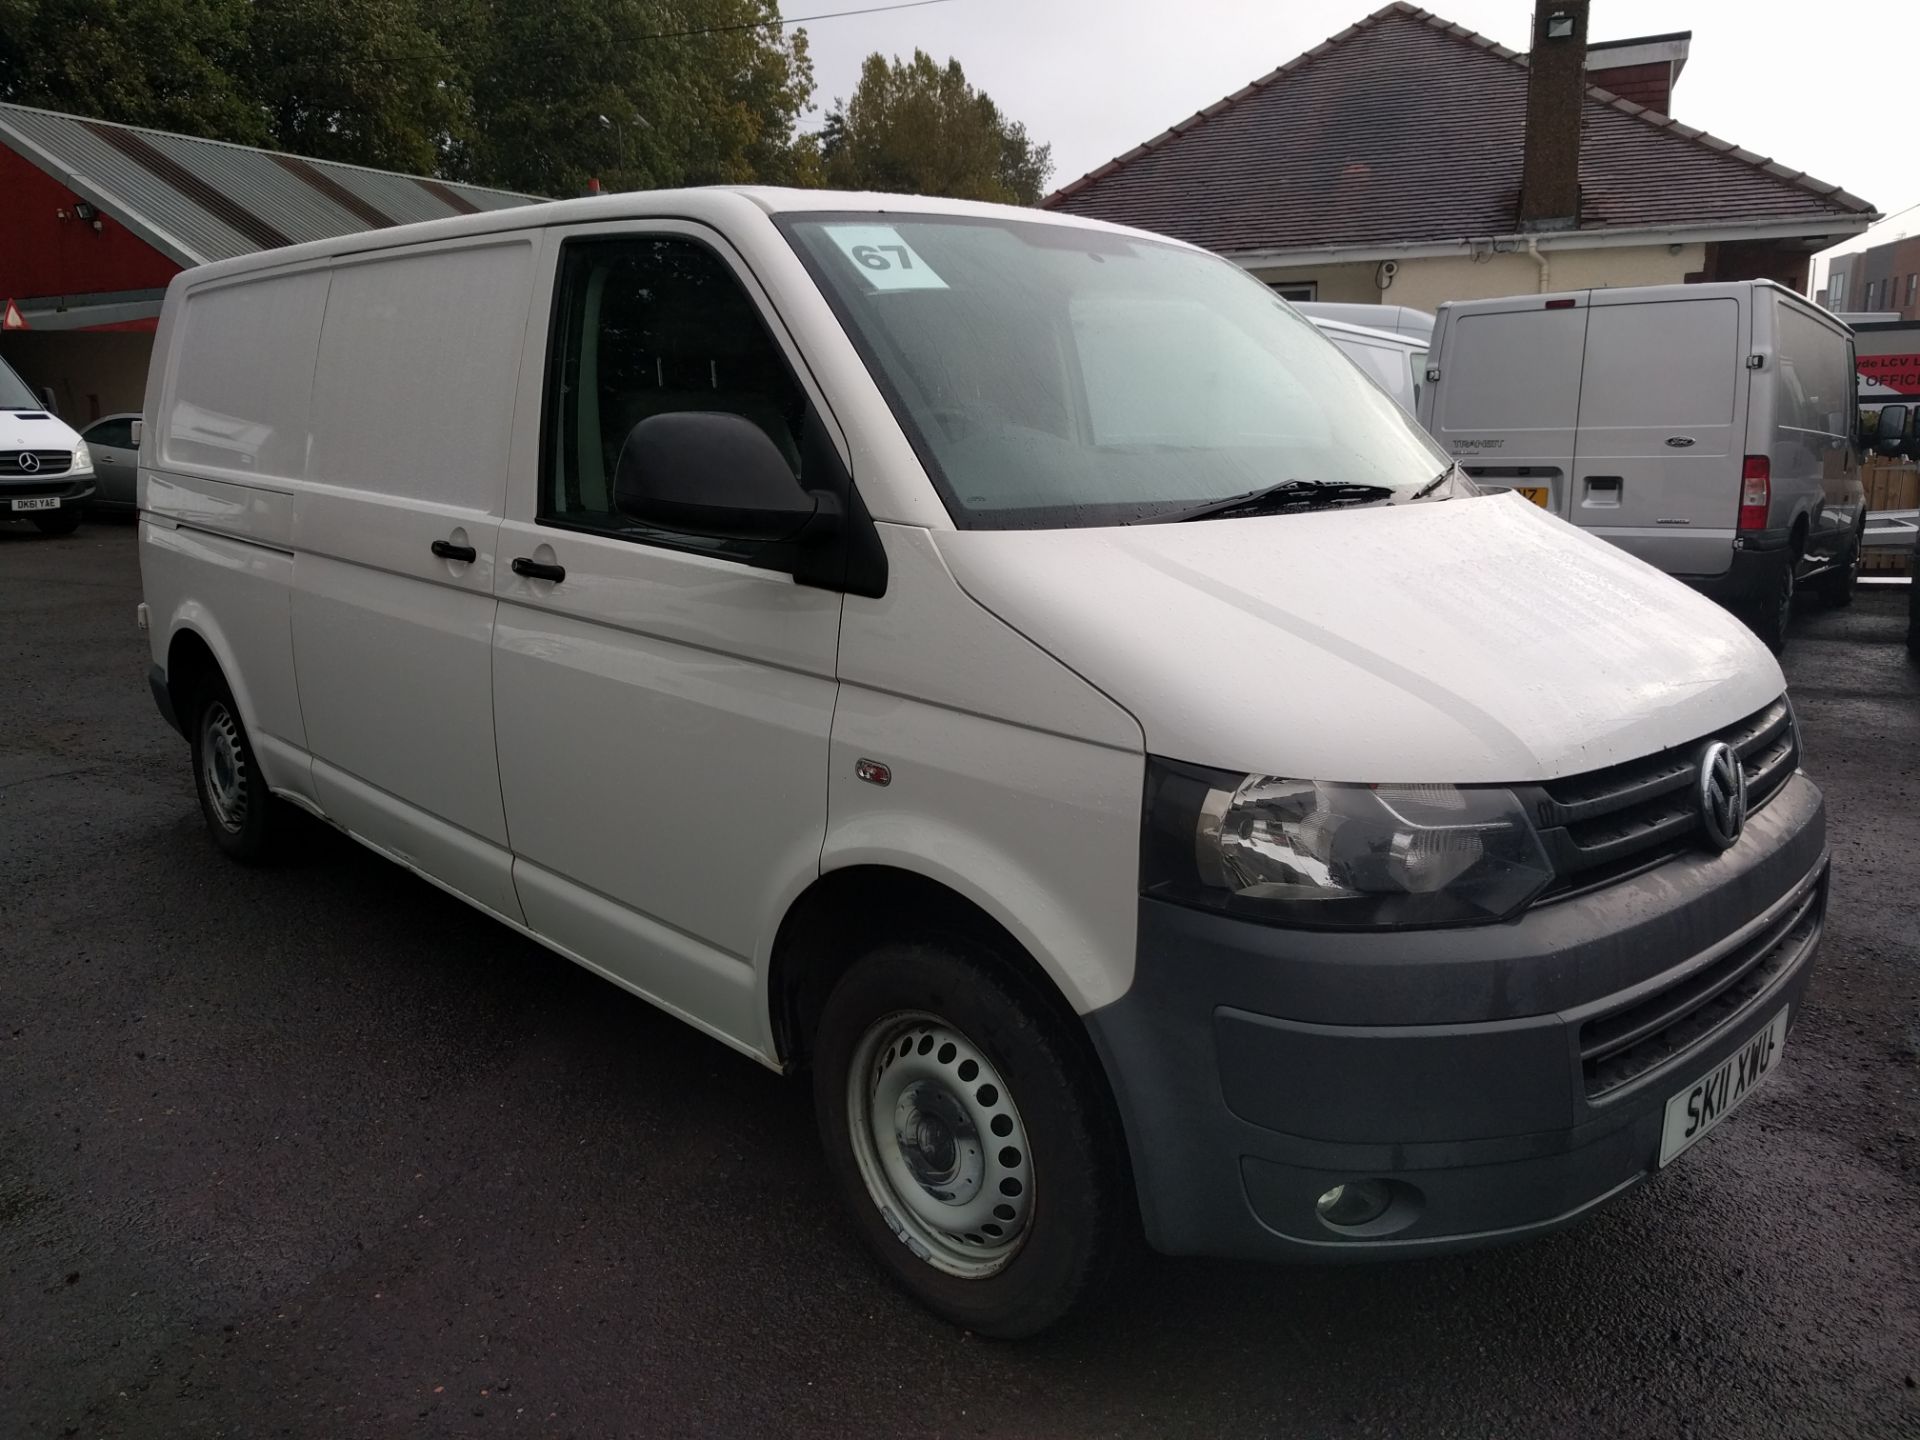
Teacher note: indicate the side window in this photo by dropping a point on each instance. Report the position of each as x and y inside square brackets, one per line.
[643, 327]
[1418, 360]
[116, 433]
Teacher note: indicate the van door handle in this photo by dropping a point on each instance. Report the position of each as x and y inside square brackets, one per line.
[534, 570]
[447, 550]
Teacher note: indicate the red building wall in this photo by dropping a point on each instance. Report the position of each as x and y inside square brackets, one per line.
[1649, 85]
[43, 255]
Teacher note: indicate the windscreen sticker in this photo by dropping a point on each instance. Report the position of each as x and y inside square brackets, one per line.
[886, 260]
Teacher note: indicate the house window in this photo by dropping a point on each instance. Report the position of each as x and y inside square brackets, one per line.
[1295, 289]
[1913, 283]
[1837, 290]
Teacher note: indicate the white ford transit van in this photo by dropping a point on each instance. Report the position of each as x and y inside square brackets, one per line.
[1708, 429]
[1011, 667]
[46, 471]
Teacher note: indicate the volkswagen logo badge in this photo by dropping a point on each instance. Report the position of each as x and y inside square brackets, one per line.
[29, 463]
[1722, 792]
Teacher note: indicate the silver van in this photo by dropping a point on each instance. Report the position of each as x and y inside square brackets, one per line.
[1707, 429]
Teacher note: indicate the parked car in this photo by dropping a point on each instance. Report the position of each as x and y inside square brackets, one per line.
[115, 463]
[1397, 319]
[46, 471]
[1398, 363]
[1000, 664]
[1707, 429]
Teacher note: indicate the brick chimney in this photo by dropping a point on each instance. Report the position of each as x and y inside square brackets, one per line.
[1556, 95]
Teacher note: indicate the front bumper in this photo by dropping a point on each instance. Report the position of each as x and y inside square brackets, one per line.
[1257, 1067]
[70, 491]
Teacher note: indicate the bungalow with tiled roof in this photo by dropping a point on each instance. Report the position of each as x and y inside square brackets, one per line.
[1410, 161]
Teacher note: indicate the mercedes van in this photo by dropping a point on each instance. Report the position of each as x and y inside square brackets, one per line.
[46, 471]
[1708, 429]
[1011, 669]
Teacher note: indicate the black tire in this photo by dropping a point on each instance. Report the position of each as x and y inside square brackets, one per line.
[1082, 1224]
[58, 522]
[1837, 586]
[239, 809]
[1772, 607]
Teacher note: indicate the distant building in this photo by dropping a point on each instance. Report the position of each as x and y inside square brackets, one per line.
[1411, 161]
[96, 218]
[1884, 279]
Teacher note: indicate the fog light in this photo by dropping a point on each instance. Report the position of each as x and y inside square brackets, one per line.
[1358, 1202]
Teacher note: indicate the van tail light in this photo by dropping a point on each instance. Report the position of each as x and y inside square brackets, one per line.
[1756, 492]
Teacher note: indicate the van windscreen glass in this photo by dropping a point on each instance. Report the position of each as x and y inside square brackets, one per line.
[1050, 375]
[14, 394]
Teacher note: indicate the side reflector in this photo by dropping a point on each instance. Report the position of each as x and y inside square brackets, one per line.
[1756, 492]
[1559, 304]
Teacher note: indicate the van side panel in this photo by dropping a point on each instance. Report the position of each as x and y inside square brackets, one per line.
[226, 442]
[1805, 424]
[1508, 400]
[1662, 426]
[413, 394]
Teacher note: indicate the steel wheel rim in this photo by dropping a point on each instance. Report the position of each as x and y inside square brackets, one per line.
[940, 1144]
[223, 767]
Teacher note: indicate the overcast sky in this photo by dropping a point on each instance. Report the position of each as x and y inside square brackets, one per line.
[1094, 78]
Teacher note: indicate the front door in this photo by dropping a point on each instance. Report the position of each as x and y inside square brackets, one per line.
[663, 700]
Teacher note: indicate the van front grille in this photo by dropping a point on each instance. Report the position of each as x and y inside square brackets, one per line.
[1606, 825]
[48, 462]
[1618, 1048]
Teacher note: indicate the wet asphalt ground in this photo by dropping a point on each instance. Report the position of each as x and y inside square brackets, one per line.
[318, 1151]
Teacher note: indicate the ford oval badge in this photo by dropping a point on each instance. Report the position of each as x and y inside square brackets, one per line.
[1679, 442]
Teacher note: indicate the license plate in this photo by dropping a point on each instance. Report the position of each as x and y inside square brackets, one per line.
[38, 502]
[1536, 493]
[1703, 1105]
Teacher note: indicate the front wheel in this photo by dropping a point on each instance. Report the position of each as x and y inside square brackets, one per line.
[971, 1138]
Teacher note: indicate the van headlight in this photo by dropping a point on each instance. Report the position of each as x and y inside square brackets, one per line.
[82, 460]
[1300, 852]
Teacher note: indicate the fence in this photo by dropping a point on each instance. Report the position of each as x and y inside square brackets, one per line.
[1890, 485]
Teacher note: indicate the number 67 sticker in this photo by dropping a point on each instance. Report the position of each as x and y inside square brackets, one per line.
[886, 260]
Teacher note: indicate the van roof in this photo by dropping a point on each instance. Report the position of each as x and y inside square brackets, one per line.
[705, 203]
[1367, 332]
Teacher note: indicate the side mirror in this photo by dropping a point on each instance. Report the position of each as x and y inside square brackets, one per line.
[708, 472]
[1890, 433]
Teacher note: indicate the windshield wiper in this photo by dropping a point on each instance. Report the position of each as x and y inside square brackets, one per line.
[1287, 495]
[1432, 485]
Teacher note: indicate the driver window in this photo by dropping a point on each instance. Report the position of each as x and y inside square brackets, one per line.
[652, 326]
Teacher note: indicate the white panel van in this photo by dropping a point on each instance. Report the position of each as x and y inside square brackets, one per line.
[1396, 363]
[1012, 669]
[1708, 429]
[46, 471]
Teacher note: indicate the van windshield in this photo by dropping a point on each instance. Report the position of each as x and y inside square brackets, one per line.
[14, 394]
[1052, 375]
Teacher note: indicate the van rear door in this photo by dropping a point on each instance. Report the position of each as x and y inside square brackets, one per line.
[1508, 398]
[1662, 421]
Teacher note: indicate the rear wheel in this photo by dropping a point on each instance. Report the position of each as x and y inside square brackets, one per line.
[234, 799]
[1773, 606]
[58, 522]
[970, 1137]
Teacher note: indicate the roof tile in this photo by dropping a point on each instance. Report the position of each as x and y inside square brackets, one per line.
[1405, 128]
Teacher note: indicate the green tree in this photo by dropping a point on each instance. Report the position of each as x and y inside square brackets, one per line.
[614, 90]
[917, 127]
[170, 64]
[358, 80]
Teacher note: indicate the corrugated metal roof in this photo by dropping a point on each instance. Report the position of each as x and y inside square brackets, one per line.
[1407, 128]
[202, 200]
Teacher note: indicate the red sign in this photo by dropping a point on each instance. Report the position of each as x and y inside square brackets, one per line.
[1898, 373]
[11, 318]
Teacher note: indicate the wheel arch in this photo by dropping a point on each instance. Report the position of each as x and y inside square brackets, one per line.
[196, 649]
[846, 912]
